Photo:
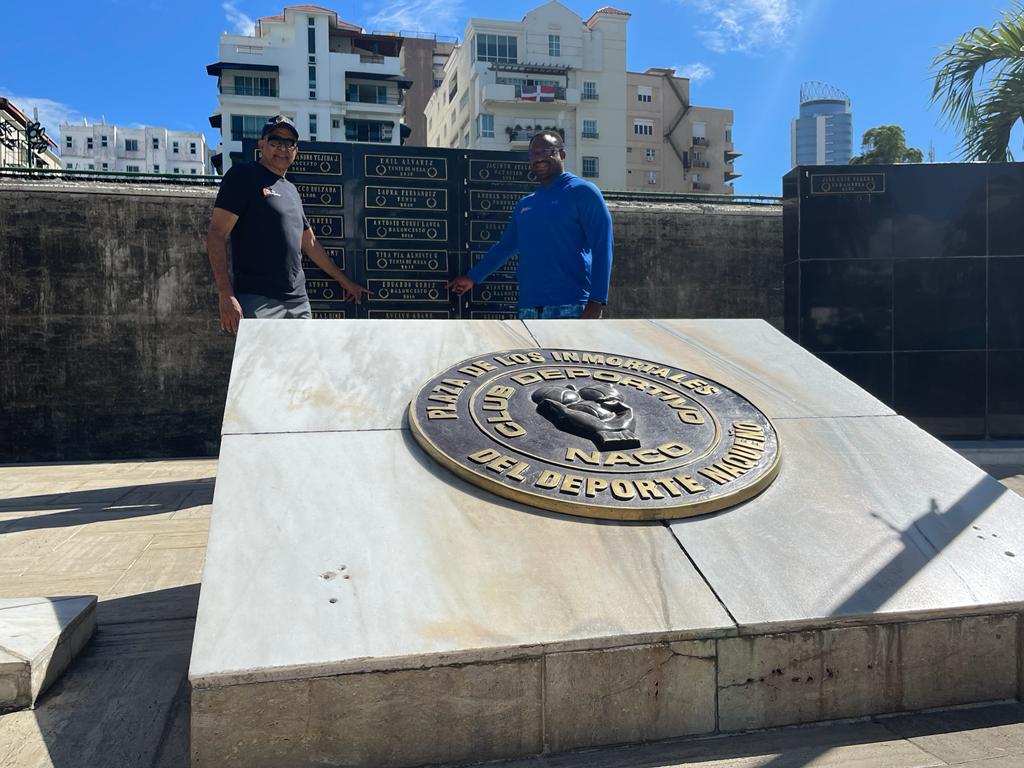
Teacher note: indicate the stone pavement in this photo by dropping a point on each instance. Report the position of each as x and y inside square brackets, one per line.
[134, 533]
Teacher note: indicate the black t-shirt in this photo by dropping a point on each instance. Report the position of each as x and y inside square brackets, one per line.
[266, 242]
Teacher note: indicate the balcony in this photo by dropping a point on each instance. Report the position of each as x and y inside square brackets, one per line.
[590, 134]
[370, 58]
[391, 99]
[588, 96]
[700, 164]
[701, 186]
[700, 141]
[230, 90]
[525, 135]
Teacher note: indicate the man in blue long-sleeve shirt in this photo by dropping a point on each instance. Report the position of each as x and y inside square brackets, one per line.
[563, 234]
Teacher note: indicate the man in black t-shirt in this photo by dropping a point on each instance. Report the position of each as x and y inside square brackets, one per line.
[262, 213]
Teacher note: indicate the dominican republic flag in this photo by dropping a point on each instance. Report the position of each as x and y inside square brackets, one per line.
[530, 93]
[547, 93]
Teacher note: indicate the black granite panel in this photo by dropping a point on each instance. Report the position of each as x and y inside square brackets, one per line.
[844, 226]
[939, 304]
[1005, 302]
[870, 370]
[1005, 394]
[938, 210]
[846, 305]
[1005, 198]
[791, 300]
[942, 392]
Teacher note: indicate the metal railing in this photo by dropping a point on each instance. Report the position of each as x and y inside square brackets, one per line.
[700, 141]
[370, 58]
[270, 93]
[590, 135]
[588, 96]
[125, 177]
[385, 100]
[700, 163]
[701, 186]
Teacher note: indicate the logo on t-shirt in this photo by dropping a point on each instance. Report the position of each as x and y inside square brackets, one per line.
[268, 192]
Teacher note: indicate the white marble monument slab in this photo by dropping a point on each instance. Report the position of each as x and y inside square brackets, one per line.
[39, 637]
[363, 606]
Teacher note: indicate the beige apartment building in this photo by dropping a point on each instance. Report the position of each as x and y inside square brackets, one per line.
[672, 145]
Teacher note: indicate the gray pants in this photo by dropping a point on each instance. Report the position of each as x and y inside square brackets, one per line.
[266, 308]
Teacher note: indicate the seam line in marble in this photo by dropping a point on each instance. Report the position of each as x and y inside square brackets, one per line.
[700, 573]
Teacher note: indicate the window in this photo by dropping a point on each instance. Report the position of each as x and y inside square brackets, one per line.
[67, 142]
[192, 147]
[554, 45]
[699, 133]
[644, 93]
[464, 101]
[500, 49]
[368, 94]
[131, 145]
[69, 164]
[246, 85]
[88, 143]
[438, 83]
[728, 133]
[105, 166]
[174, 144]
[590, 90]
[312, 95]
[312, 127]
[652, 177]
[643, 127]
[192, 171]
[156, 168]
[465, 139]
[312, 78]
[92, 166]
[697, 177]
[242, 127]
[650, 154]
[132, 168]
[590, 129]
[369, 130]
[311, 38]
[103, 141]
[311, 59]
[486, 123]
[156, 143]
[335, 122]
[453, 88]
[590, 167]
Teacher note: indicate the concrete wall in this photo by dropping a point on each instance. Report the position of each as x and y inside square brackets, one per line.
[109, 342]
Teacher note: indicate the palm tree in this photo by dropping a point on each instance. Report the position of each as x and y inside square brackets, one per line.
[991, 62]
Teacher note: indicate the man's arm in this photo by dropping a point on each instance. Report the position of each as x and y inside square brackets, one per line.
[221, 224]
[312, 248]
[597, 226]
[499, 253]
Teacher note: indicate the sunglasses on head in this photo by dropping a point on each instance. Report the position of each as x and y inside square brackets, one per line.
[282, 142]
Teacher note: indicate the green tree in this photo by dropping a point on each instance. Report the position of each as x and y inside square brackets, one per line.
[979, 82]
[886, 144]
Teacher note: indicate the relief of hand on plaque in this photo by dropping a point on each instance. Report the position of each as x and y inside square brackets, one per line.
[595, 412]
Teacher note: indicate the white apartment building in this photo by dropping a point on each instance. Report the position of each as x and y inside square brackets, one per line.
[336, 82]
[105, 147]
[550, 70]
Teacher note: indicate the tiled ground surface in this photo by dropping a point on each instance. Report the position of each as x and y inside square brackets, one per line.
[134, 533]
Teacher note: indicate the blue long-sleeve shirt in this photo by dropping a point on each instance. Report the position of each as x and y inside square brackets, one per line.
[563, 234]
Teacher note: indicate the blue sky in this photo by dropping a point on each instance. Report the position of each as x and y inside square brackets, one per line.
[143, 61]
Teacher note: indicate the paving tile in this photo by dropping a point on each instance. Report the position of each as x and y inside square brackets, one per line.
[88, 553]
[966, 735]
[161, 569]
[189, 540]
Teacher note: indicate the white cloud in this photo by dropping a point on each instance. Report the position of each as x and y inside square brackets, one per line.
[696, 71]
[241, 24]
[745, 25]
[51, 113]
[438, 16]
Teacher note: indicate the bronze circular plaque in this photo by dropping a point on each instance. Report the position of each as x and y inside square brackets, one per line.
[596, 434]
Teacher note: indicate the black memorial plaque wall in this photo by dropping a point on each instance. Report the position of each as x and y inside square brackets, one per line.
[404, 221]
[906, 278]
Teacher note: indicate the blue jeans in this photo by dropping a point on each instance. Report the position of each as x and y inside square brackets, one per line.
[552, 311]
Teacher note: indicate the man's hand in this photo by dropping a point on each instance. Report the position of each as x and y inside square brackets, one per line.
[460, 285]
[593, 311]
[353, 290]
[230, 313]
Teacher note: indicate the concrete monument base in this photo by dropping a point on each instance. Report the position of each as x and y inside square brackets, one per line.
[362, 606]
